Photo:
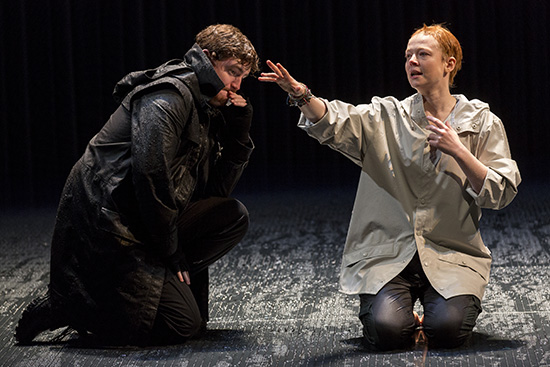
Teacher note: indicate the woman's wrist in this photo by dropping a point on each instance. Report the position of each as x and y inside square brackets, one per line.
[302, 90]
[300, 100]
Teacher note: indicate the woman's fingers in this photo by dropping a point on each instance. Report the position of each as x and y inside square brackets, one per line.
[281, 76]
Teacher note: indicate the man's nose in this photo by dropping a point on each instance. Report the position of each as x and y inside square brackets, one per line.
[236, 84]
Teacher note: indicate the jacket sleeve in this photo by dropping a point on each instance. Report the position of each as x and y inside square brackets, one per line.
[235, 148]
[229, 167]
[345, 128]
[158, 119]
[502, 180]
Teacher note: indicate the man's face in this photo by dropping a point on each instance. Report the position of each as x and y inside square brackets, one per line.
[425, 65]
[232, 73]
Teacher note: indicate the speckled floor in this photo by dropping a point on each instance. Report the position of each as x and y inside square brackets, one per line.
[274, 299]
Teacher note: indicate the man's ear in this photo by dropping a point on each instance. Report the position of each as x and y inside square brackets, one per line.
[211, 56]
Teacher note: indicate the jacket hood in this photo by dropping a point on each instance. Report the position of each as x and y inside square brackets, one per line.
[195, 60]
[471, 112]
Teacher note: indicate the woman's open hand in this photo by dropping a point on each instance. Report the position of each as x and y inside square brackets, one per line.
[282, 77]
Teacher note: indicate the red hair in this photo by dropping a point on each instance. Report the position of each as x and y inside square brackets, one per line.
[448, 43]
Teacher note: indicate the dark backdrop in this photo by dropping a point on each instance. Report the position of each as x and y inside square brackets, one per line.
[59, 61]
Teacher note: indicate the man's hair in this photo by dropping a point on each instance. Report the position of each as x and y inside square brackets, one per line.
[224, 41]
[448, 43]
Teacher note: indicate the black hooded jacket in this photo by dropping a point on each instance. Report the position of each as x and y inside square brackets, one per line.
[163, 148]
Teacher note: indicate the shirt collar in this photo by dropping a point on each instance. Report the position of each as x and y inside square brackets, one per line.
[209, 82]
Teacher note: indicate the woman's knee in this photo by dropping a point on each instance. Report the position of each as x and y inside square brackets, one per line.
[387, 334]
[450, 326]
[444, 331]
[387, 328]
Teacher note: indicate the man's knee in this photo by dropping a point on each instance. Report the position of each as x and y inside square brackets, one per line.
[233, 221]
[188, 328]
[238, 211]
[178, 316]
[170, 332]
[230, 215]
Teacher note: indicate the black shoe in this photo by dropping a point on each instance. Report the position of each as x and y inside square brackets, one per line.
[36, 318]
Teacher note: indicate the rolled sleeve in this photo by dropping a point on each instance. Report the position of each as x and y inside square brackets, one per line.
[503, 177]
[497, 191]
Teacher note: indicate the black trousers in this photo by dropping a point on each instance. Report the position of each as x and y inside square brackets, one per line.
[388, 320]
[207, 230]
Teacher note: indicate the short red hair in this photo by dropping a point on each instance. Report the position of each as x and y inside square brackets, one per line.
[448, 43]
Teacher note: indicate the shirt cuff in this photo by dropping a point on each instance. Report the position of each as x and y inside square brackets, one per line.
[305, 124]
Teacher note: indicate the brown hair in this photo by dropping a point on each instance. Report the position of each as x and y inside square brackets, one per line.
[224, 41]
[448, 43]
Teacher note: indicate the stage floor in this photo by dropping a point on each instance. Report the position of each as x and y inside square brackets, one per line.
[274, 298]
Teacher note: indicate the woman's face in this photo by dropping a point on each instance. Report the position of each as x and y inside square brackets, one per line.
[425, 64]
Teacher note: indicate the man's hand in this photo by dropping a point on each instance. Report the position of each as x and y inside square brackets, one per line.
[177, 263]
[184, 277]
[236, 99]
[238, 117]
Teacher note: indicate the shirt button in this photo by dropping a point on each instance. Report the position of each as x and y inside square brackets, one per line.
[425, 264]
[458, 128]
[422, 201]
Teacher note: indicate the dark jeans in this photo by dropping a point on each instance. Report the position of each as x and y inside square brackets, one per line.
[208, 229]
[388, 320]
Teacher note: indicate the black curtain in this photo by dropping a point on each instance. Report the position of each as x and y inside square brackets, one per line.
[59, 61]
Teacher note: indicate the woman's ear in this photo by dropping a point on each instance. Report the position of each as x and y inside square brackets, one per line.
[450, 64]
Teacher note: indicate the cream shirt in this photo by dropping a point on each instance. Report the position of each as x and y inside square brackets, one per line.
[409, 199]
